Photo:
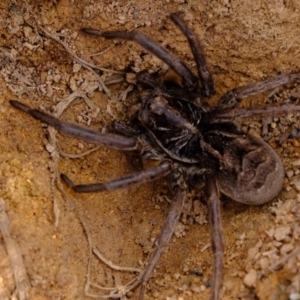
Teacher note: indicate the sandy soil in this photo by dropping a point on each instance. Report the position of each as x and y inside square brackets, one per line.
[243, 42]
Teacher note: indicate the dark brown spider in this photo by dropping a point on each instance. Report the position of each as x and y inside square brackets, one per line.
[190, 140]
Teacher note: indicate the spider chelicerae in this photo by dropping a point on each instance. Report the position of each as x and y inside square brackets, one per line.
[189, 140]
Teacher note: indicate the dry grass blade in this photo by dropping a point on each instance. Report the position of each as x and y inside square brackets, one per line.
[15, 256]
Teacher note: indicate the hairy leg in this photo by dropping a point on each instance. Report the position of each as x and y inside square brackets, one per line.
[189, 79]
[208, 86]
[167, 230]
[213, 203]
[231, 114]
[139, 177]
[145, 79]
[233, 97]
[109, 140]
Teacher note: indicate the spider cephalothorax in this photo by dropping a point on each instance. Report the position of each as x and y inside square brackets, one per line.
[190, 140]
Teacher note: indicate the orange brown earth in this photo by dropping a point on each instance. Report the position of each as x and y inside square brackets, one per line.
[243, 42]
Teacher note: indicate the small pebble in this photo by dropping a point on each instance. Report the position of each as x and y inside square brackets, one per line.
[27, 31]
[295, 143]
[286, 248]
[197, 207]
[294, 296]
[250, 278]
[264, 263]
[296, 182]
[49, 148]
[270, 232]
[296, 163]
[281, 232]
[289, 173]
[76, 68]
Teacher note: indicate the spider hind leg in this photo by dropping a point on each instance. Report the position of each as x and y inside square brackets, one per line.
[139, 177]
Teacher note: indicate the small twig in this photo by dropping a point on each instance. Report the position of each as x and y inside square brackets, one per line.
[205, 247]
[82, 62]
[102, 52]
[69, 155]
[123, 96]
[7, 53]
[65, 102]
[77, 58]
[15, 256]
[284, 259]
[112, 265]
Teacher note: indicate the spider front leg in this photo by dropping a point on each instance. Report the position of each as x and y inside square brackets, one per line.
[233, 97]
[189, 79]
[109, 140]
[214, 214]
[208, 86]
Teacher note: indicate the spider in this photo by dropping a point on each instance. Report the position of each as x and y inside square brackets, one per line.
[190, 141]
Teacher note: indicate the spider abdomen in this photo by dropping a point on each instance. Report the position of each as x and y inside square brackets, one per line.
[247, 168]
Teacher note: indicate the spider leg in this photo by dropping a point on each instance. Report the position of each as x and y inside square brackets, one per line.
[147, 80]
[139, 177]
[208, 86]
[189, 79]
[233, 97]
[213, 203]
[126, 130]
[109, 140]
[231, 114]
[167, 229]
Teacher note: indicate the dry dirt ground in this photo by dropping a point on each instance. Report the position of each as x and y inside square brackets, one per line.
[45, 252]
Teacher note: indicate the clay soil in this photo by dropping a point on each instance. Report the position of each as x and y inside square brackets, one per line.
[47, 243]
